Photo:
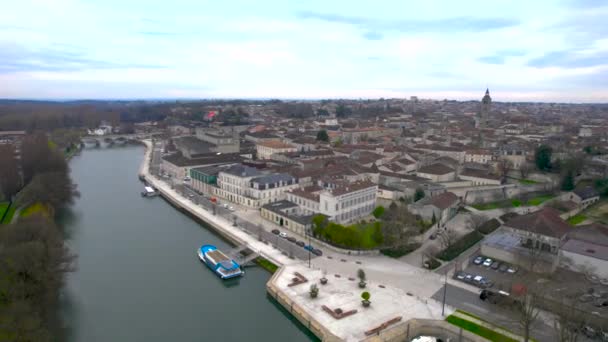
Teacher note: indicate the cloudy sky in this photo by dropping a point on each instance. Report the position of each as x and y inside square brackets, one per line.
[541, 50]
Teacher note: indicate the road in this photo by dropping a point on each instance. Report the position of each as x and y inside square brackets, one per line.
[286, 247]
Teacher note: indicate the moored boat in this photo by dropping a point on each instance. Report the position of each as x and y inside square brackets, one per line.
[218, 262]
[149, 192]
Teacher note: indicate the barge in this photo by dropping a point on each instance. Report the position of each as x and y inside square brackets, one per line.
[149, 192]
[223, 266]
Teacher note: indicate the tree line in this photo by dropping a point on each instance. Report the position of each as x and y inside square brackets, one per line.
[33, 256]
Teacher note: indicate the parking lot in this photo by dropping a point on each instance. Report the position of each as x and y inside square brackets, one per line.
[591, 293]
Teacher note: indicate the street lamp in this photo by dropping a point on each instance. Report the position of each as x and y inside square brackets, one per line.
[309, 246]
[445, 290]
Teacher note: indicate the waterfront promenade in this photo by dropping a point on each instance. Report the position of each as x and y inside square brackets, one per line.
[223, 226]
[397, 289]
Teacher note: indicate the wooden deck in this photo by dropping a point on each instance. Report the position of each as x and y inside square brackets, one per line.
[217, 256]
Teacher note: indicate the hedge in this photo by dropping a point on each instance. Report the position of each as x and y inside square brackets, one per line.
[400, 251]
[432, 263]
[267, 265]
[506, 217]
[489, 226]
[460, 246]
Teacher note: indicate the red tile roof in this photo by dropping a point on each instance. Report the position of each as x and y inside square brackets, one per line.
[544, 222]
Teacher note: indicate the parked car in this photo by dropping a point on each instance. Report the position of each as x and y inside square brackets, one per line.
[488, 262]
[601, 302]
[512, 269]
[275, 231]
[486, 283]
[478, 260]
[589, 331]
[225, 205]
[231, 208]
[495, 297]
[477, 280]
[585, 298]
[432, 236]
[460, 275]
[300, 243]
[291, 239]
[317, 252]
[468, 278]
[593, 279]
[503, 267]
[308, 248]
[283, 235]
[495, 265]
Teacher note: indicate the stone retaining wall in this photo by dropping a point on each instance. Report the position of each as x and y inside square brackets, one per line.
[425, 327]
[299, 313]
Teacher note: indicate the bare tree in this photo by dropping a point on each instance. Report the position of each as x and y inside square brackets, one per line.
[524, 169]
[527, 311]
[530, 294]
[474, 221]
[503, 167]
[568, 320]
[447, 237]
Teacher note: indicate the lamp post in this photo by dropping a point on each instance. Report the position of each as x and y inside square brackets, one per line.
[445, 290]
[309, 246]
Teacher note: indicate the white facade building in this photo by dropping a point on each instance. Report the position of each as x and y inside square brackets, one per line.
[249, 187]
[265, 149]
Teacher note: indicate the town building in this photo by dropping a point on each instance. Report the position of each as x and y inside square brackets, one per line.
[584, 197]
[480, 156]
[443, 207]
[225, 140]
[479, 177]
[437, 172]
[531, 241]
[250, 187]
[340, 201]
[585, 250]
[265, 149]
[177, 167]
[288, 215]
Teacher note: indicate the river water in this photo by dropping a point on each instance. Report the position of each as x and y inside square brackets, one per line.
[138, 277]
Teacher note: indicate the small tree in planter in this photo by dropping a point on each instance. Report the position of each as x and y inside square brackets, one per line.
[324, 279]
[361, 275]
[314, 291]
[365, 295]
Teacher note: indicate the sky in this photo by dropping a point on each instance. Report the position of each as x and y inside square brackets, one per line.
[541, 50]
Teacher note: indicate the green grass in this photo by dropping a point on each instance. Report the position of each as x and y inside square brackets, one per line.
[487, 206]
[34, 209]
[514, 203]
[576, 219]
[9, 213]
[267, 265]
[478, 329]
[538, 200]
[527, 181]
[3, 207]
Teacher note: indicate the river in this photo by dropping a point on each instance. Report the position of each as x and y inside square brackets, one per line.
[138, 277]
